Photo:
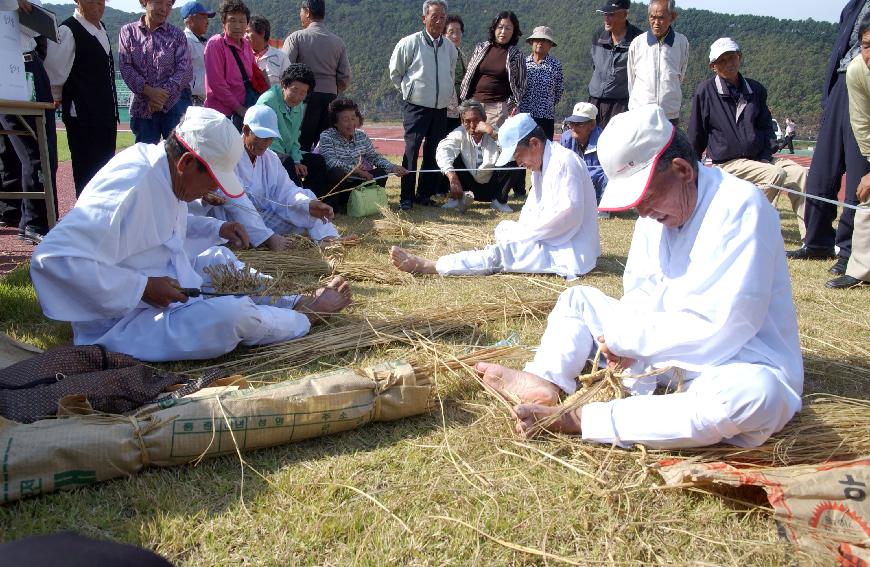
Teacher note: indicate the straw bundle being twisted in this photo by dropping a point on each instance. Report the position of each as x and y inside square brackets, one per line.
[226, 278]
[302, 261]
[364, 272]
[335, 340]
[393, 226]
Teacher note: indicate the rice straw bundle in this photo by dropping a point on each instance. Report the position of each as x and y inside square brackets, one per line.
[335, 340]
[361, 271]
[308, 261]
[392, 225]
[313, 261]
[226, 278]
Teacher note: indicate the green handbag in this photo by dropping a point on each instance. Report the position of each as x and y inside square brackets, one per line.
[366, 200]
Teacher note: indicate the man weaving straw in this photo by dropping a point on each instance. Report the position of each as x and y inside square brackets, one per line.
[557, 232]
[116, 264]
[272, 205]
[707, 292]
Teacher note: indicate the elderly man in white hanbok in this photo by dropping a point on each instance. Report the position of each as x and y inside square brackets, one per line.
[271, 205]
[557, 232]
[707, 291]
[116, 264]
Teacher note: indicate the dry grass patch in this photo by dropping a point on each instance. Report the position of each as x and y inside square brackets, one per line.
[454, 487]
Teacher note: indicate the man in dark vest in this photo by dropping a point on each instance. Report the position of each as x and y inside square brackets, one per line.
[836, 153]
[82, 75]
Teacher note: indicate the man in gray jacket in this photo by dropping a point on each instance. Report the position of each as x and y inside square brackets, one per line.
[422, 68]
[608, 87]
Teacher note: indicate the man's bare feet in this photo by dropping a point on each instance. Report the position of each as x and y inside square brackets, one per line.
[410, 263]
[516, 386]
[532, 418]
[328, 300]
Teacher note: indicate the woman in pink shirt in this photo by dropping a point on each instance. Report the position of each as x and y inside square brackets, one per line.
[224, 84]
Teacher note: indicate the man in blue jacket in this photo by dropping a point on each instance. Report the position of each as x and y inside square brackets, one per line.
[582, 137]
[732, 122]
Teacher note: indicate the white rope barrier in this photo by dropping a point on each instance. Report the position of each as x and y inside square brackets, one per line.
[858, 208]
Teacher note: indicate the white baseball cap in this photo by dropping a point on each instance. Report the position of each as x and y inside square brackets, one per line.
[583, 112]
[722, 46]
[511, 132]
[262, 121]
[215, 142]
[629, 149]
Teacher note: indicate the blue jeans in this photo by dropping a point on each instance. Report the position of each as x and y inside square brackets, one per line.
[161, 124]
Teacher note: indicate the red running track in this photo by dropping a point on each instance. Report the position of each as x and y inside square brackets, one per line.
[387, 139]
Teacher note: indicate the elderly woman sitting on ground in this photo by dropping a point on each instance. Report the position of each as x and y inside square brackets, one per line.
[350, 156]
[467, 157]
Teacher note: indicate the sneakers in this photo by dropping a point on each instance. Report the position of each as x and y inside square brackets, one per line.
[30, 235]
[501, 207]
[804, 253]
[467, 199]
[450, 204]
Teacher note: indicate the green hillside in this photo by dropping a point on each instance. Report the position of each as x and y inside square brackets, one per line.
[787, 56]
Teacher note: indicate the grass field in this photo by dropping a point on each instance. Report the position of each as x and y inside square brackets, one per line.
[460, 488]
[125, 139]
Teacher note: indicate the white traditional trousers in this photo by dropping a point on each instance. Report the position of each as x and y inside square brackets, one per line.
[737, 403]
[202, 328]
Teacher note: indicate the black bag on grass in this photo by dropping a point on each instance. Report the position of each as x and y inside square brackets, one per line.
[111, 382]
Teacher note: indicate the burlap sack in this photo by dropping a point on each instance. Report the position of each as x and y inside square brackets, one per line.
[820, 507]
[12, 351]
[65, 453]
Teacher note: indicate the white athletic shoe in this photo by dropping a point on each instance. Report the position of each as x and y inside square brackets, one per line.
[501, 207]
[450, 204]
[467, 199]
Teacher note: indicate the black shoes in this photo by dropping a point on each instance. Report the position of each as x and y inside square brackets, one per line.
[804, 253]
[406, 206]
[30, 235]
[839, 267]
[845, 282]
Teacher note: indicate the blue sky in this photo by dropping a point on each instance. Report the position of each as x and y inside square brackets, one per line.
[822, 10]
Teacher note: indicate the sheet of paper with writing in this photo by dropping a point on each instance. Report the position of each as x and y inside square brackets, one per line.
[13, 84]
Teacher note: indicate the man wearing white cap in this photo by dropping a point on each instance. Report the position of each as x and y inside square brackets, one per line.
[271, 205]
[115, 266]
[581, 137]
[732, 122]
[707, 291]
[557, 232]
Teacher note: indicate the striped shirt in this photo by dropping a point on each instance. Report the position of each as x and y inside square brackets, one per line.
[339, 152]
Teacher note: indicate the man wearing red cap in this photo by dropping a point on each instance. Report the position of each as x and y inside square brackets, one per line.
[707, 307]
[116, 265]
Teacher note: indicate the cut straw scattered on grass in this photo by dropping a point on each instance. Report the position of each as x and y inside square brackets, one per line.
[394, 226]
[339, 339]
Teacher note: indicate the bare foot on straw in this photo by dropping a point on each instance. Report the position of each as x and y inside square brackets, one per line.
[516, 386]
[410, 263]
[530, 416]
[328, 300]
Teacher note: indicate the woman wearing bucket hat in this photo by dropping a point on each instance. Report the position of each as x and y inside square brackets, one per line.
[544, 84]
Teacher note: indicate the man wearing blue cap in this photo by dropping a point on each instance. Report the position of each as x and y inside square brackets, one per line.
[271, 204]
[196, 17]
[557, 232]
